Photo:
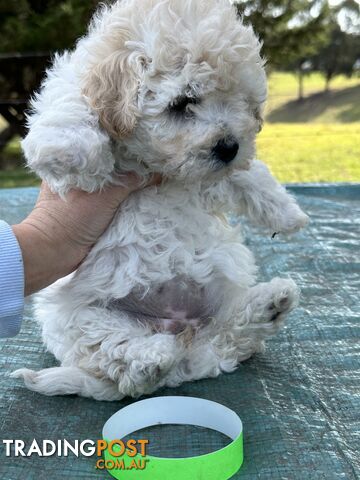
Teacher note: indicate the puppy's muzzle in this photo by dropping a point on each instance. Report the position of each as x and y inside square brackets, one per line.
[225, 150]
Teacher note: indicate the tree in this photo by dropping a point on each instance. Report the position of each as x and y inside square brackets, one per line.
[339, 56]
[291, 30]
[30, 31]
[348, 15]
[342, 51]
[42, 25]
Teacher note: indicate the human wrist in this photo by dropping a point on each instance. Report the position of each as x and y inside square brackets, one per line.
[47, 253]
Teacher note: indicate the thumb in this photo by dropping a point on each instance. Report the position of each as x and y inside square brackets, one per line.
[125, 183]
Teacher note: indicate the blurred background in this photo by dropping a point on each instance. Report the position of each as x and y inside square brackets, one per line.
[312, 47]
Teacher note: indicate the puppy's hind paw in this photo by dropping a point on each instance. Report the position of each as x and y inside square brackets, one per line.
[32, 379]
[28, 375]
[284, 297]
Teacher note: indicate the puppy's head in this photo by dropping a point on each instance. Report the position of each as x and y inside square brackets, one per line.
[179, 83]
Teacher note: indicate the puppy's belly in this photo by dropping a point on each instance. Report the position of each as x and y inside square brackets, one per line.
[170, 307]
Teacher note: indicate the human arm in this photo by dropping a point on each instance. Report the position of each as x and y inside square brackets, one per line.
[58, 234]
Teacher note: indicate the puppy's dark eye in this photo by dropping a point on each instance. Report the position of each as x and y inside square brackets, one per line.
[179, 105]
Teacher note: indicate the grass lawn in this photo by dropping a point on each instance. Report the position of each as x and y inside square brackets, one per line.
[311, 152]
[316, 140]
[17, 177]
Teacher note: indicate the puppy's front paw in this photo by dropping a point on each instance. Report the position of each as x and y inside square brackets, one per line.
[292, 220]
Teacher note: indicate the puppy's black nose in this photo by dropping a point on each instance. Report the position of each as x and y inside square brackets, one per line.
[225, 150]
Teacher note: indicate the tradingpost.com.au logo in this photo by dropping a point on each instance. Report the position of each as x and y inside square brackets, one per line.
[123, 452]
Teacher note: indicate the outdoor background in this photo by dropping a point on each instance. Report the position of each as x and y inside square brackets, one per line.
[312, 47]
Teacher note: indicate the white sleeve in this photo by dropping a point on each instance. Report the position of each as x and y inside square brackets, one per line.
[11, 282]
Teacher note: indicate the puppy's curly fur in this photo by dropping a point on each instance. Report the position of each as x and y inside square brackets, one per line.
[168, 293]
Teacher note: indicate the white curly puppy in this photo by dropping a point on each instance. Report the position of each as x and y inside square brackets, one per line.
[168, 294]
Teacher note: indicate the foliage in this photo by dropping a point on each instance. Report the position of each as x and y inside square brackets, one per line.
[42, 25]
[339, 56]
[348, 14]
[290, 30]
[341, 52]
[18, 177]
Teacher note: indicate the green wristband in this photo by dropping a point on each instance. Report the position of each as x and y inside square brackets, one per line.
[219, 465]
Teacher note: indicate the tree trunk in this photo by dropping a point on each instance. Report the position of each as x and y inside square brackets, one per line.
[301, 85]
[328, 78]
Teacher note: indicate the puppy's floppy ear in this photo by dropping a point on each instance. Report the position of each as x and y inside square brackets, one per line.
[111, 88]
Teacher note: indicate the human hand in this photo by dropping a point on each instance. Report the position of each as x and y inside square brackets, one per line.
[58, 234]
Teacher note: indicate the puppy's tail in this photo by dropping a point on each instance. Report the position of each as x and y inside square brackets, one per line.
[68, 381]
